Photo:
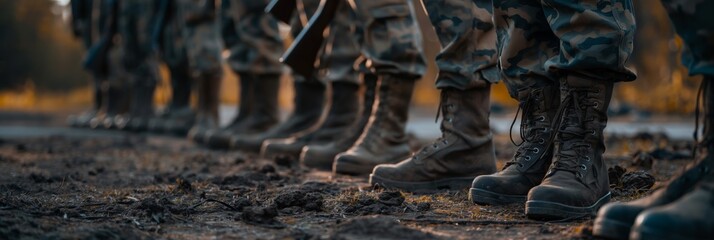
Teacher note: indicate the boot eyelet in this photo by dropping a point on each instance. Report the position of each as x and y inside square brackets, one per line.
[541, 119]
[587, 158]
[596, 105]
[592, 132]
[445, 142]
[536, 150]
[578, 175]
[583, 167]
[542, 141]
[528, 158]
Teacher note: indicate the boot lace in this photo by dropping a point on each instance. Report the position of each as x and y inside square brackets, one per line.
[446, 109]
[573, 133]
[530, 131]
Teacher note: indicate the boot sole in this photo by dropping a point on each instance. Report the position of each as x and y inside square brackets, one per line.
[611, 229]
[483, 197]
[547, 210]
[437, 185]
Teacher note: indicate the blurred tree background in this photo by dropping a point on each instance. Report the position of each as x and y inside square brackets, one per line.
[40, 64]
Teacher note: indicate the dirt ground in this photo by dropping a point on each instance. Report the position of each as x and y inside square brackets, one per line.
[133, 186]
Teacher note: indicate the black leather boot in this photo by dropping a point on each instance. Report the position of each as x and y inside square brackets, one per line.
[576, 184]
[341, 114]
[322, 156]
[384, 140]
[258, 110]
[451, 162]
[533, 157]
[309, 100]
[178, 117]
[615, 220]
[84, 119]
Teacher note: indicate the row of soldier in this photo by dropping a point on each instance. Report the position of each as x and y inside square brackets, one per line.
[558, 59]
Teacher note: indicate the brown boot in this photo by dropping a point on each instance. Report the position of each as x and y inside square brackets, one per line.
[451, 162]
[576, 184]
[258, 110]
[384, 140]
[533, 157]
[207, 108]
[343, 110]
[322, 156]
[616, 220]
[309, 100]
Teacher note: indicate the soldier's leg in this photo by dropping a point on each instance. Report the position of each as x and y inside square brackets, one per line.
[392, 43]
[255, 46]
[337, 68]
[467, 67]
[595, 40]
[135, 27]
[204, 57]
[525, 43]
[308, 100]
[688, 210]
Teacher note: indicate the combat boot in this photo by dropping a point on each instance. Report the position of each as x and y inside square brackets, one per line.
[576, 184]
[690, 217]
[464, 151]
[178, 117]
[207, 107]
[142, 107]
[342, 112]
[84, 119]
[258, 110]
[384, 140]
[321, 156]
[533, 157]
[309, 101]
[117, 103]
[615, 220]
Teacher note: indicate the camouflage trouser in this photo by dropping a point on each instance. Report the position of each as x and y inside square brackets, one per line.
[542, 41]
[252, 37]
[392, 40]
[135, 25]
[203, 47]
[694, 22]
[340, 53]
[468, 39]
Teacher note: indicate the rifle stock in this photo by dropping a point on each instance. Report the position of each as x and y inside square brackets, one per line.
[282, 9]
[303, 51]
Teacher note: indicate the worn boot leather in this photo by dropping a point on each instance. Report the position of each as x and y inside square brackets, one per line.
[384, 140]
[451, 162]
[576, 184]
[322, 156]
[615, 220]
[533, 157]
[341, 114]
[309, 100]
[258, 110]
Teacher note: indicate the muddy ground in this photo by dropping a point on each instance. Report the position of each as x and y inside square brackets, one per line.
[133, 186]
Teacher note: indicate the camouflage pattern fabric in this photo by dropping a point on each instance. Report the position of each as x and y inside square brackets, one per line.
[252, 37]
[135, 23]
[340, 54]
[540, 42]
[468, 39]
[200, 33]
[392, 40]
[694, 22]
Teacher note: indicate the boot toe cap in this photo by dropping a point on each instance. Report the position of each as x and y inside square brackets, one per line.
[281, 148]
[318, 156]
